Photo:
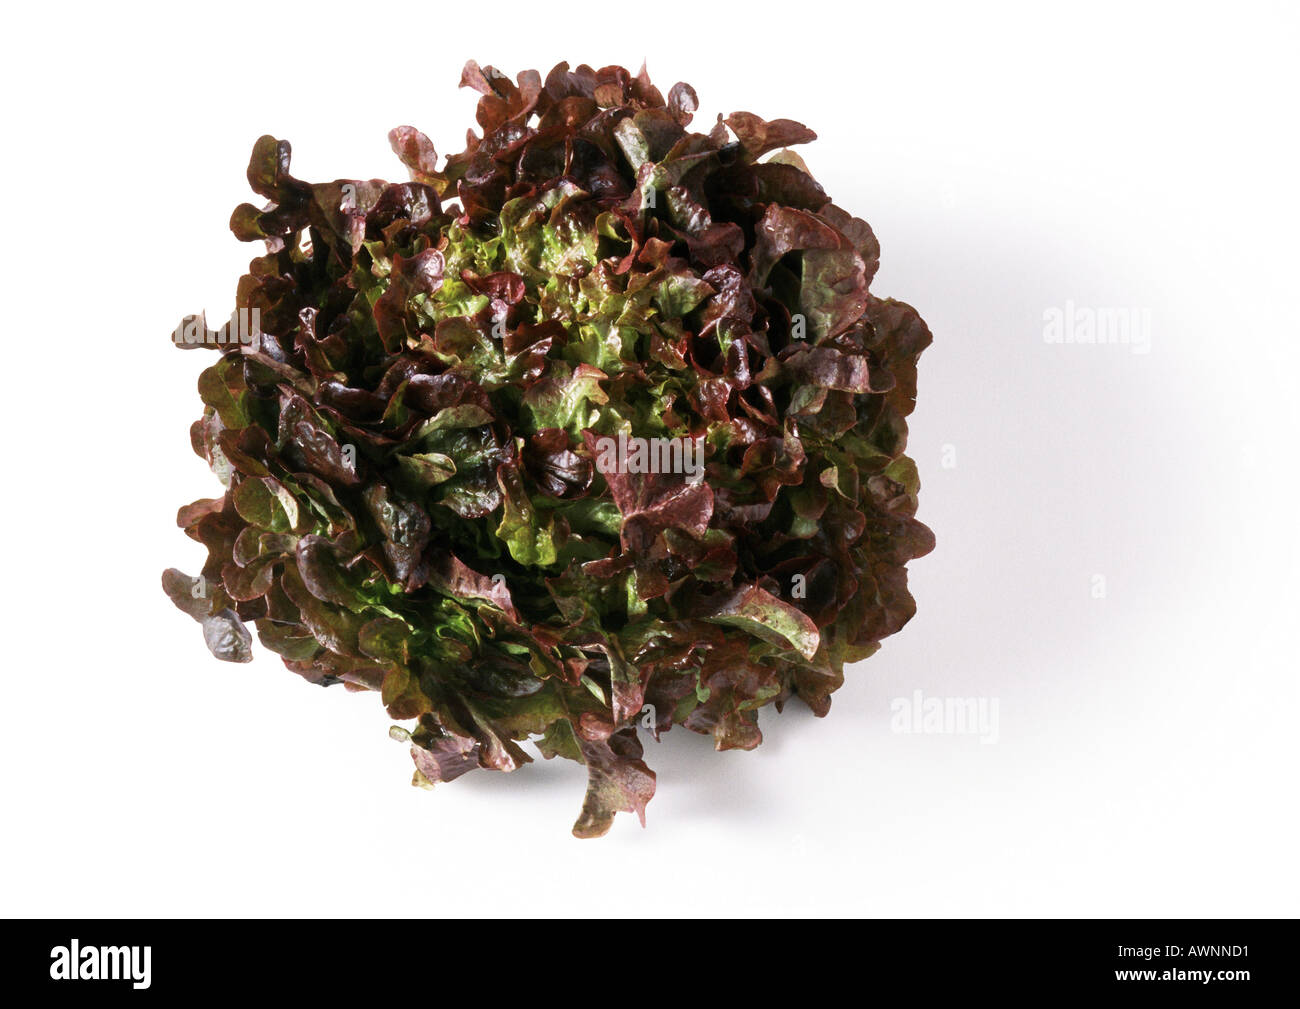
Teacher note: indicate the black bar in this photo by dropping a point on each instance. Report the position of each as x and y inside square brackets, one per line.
[397, 958]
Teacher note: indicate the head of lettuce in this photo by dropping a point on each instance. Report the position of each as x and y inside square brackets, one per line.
[595, 429]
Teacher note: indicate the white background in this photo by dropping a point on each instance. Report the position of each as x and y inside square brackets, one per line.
[1010, 159]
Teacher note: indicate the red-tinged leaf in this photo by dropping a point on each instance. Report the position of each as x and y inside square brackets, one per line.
[617, 779]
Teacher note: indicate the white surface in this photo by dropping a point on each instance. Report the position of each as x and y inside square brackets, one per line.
[1010, 160]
